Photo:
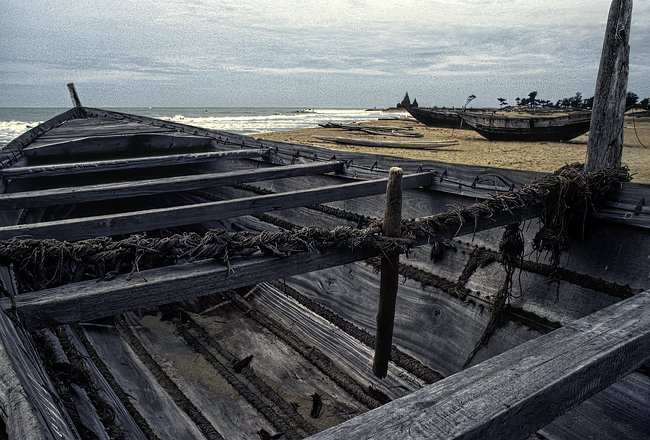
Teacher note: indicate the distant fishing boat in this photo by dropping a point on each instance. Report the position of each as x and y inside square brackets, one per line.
[436, 117]
[551, 128]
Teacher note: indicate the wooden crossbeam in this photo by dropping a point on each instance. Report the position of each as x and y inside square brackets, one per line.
[127, 164]
[117, 143]
[522, 390]
[91, 299]
[138, 221]
[79, 194]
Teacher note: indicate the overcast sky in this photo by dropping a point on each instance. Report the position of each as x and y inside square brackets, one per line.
[308, 53]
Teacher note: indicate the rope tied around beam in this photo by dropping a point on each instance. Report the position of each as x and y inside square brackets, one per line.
[566, 198]
[39, 264]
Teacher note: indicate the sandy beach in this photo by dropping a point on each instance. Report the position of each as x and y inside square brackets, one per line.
[473, 149]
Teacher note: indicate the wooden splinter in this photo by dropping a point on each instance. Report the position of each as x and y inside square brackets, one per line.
[389, 275]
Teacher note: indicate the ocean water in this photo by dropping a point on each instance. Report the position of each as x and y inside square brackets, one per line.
[243, 120]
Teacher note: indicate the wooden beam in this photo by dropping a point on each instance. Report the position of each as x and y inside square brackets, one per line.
[91, 299]
[79, 194]
[73, 95]
[117, 143]
[126, 164]
[389, 275]
[605, 146]
[138, 221]
[522, 390]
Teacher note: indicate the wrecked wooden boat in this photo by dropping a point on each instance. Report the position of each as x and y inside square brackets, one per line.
[528, 128]
[169, 281]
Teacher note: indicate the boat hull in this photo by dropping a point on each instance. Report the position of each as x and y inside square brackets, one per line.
[437, 117]
[528, 129]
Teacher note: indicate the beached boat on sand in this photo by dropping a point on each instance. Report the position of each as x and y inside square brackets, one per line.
[501, 127]
[248, 308]
[436, 117]
[413, 145]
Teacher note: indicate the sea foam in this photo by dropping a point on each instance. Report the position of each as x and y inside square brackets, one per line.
[238, 120]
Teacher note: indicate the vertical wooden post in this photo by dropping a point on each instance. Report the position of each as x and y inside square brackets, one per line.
[605, 146]
[389, 275]
[73, 95]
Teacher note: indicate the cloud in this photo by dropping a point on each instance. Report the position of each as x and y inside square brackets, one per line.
[243, 44]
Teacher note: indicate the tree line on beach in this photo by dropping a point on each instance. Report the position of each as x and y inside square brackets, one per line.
[576, 101]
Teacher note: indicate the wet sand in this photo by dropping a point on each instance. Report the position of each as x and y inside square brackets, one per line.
[473, 149]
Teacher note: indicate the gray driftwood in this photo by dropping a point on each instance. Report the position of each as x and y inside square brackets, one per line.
[520, 391]
[605, 146]
[420, 145]
[389, 274]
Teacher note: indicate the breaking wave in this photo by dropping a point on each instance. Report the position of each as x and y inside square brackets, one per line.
[9, 130]
[279, 121]
[14, 122]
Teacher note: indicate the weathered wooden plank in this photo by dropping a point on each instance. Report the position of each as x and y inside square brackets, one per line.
[605, 147]
[95, 112]
[160, 412]
[59, 134]
[123, 418]
[276, 363]
[232, 416]
[28, 403]
[417, 145]
[518, 392]
[129, 222]
[619, 412]
[389, 275]
[73, 95]
[438, 329]
[347, 352]
[79, 194]
[124, 164]
[117, 143]
[91, 300]
[623, 216]
[80, 128]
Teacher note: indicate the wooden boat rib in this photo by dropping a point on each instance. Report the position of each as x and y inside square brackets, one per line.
[528, 128]
[270, 345]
